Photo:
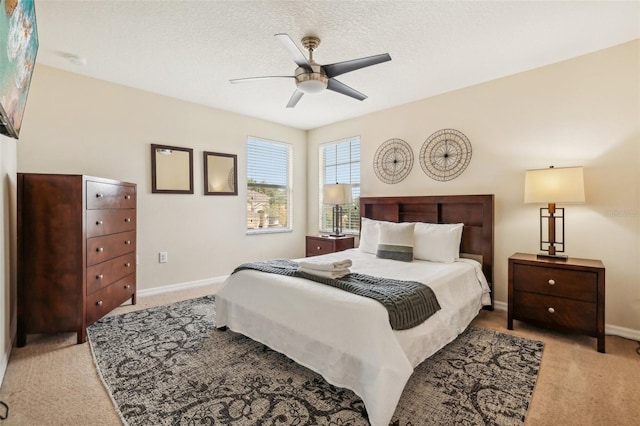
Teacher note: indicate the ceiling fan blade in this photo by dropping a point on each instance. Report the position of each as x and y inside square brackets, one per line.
[294, 51]
[295, 98]
[246, 80]
[339, 87]
[338, 68]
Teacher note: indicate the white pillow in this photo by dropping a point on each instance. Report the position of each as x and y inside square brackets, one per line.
[396, 241]
[437, 242]
[369, 235]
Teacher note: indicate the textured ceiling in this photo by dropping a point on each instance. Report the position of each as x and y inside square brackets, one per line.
[190, 49]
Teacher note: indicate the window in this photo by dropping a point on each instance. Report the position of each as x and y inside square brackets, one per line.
[340, 163]
[268, 187]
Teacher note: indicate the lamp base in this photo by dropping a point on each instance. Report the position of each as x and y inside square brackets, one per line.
[336, 235]
[552, 256]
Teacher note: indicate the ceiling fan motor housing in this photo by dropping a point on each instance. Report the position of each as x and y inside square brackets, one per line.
[313, 81]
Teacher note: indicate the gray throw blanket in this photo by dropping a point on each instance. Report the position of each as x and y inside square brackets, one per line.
[409, 303]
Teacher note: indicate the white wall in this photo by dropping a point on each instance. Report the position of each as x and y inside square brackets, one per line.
[7, 249]
[584, 111]
[80, 125]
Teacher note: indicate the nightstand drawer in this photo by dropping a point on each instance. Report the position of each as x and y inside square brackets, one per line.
[579, 285]
[318, 246]
[555, 312]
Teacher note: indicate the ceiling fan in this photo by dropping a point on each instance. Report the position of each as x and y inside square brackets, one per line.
[311, 77]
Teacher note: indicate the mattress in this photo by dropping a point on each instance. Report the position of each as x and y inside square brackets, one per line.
[347, 338]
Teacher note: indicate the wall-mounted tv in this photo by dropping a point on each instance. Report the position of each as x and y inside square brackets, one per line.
[18, 49]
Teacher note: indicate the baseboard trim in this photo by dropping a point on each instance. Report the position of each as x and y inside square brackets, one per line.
[627, 333]
[4, 362]
[614, 330]
[500, 306]
[216, 281]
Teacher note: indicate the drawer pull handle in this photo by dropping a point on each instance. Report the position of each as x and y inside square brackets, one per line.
[127, 219]
[128, 242]
[551, 310]
[127, 197]
[99, 195]
[99, 277]
[552, 282]
[127, 287]
[100, 249]
[318, 248]
[99, 303]
[126, 265]
[99, 222]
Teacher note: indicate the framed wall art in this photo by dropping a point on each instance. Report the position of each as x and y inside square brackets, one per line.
[220, 173]
[18, 49]
[171, 169]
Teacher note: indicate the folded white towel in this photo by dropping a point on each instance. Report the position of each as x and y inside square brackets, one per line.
[325, 266]
[327, 274]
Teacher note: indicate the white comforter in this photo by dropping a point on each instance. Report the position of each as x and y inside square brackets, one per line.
[347, 338]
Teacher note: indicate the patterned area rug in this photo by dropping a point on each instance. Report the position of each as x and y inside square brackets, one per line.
[168, 366]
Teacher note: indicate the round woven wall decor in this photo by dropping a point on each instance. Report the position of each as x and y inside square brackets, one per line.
[445, 154]
[393, 161]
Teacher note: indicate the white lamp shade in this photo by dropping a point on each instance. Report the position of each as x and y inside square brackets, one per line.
[561, 185]
[337, 193]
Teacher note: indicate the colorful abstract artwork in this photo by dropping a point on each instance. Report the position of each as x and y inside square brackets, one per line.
[18, 49]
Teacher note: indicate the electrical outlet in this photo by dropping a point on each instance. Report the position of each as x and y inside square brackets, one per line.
[164, 257]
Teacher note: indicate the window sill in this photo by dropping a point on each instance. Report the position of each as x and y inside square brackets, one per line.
[268, 231]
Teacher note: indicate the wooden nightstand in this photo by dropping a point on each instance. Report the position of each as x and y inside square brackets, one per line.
[323, 245]
[565, 295]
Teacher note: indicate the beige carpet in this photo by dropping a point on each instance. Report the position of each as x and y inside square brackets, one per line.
[53, 381]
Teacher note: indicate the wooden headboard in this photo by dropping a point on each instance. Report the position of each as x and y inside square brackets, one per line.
[475, 211]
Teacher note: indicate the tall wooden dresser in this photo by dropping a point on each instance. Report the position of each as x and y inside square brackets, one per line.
[76, 251]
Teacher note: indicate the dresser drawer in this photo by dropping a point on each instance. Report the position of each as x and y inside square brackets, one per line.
[104, 222]
[555, 312]
[105, 273]
[579, 285]
[110, 196]
[105, 300]
[100, 249]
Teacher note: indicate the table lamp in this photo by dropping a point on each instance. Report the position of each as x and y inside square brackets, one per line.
[337, 194]
[553, 185]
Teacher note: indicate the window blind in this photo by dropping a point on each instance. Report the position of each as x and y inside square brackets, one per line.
[341, 164]
[268, 189]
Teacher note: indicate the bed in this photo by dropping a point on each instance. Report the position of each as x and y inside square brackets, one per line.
[347, 338]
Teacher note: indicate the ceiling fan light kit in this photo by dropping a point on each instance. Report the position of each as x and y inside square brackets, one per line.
[311, 77]
[311, 82]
